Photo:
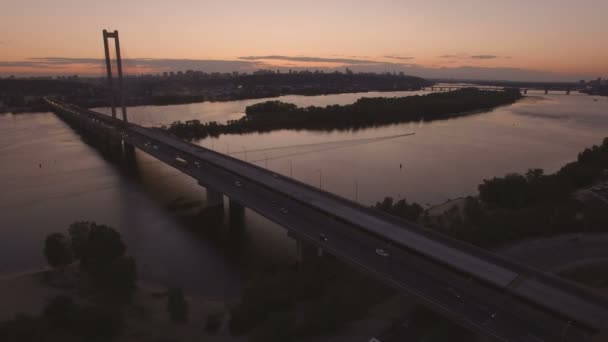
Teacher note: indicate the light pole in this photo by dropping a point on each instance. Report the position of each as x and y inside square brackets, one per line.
[290, 169]
[227, 148]
[245, 149]
[356, 191]
[266, 154]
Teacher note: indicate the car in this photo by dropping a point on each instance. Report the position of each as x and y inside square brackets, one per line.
[238, 183]
[197, 164]
[155, 147]
[284, 210]
[381, 252]
[452, 292]
[323, 237]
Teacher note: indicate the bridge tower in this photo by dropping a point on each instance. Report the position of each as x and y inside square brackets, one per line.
[107, 35]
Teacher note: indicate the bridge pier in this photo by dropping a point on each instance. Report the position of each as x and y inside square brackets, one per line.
[214, 199]
[236, 213]
[306, 251]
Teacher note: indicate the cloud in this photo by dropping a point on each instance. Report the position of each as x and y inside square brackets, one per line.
[50, 66]
[146, 64]
[308, 59]
[399, 57]
[483, 57]
[467, 56]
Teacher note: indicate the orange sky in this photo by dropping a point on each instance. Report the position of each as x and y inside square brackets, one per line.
[565, 37]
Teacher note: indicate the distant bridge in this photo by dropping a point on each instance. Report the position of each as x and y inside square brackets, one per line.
[475, 288]
[524, 90]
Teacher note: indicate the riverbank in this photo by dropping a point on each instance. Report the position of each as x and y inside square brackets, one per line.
[365, 112]
[146, 316]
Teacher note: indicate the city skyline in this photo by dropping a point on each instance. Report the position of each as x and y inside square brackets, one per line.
[544, 40]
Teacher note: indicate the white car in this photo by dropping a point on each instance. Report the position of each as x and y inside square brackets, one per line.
[238, 183]
[381, 252]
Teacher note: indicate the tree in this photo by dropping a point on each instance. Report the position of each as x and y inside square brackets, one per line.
[177, 306]
[79, 234]
[57, 250]
[103, 246]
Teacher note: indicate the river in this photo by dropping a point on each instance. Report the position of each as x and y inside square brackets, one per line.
[51, 178]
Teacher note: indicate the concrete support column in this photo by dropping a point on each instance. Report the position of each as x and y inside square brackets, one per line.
[129, 150]
[214, 198]
[236, 211]
[306, 251]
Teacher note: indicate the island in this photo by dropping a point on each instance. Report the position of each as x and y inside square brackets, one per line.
[365, 112]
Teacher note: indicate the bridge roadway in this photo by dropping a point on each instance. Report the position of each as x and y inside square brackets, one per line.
[475, 288]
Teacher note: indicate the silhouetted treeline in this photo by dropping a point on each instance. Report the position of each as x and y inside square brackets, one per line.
[365, 112]
[23, 94]
[518, 206]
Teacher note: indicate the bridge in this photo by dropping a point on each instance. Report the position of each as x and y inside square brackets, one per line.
[523, 88]
[473, 287]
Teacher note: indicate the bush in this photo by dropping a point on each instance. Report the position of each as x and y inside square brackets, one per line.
[177, 306]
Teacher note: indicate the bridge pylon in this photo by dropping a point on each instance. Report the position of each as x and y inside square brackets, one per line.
[106, 36]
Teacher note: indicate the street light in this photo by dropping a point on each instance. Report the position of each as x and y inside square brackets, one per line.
[266, 154]
[245, 149]
[356, 191]
[290, 169]
[227, 148]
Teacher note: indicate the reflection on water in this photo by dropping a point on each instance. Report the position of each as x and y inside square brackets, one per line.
[50, 178]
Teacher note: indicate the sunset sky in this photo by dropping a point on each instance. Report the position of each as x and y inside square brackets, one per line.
[514, 39]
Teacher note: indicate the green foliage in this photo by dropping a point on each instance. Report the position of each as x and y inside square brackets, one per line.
[177, 306]
[400, 208]
[102, 247]
[79, 235]
[100, 250]
[365, 112]
[57, 250]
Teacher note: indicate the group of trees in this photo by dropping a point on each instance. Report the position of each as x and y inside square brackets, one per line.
[310, 299]
[272, 115]
[109, 275]
[522, 206]
[101, 255]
